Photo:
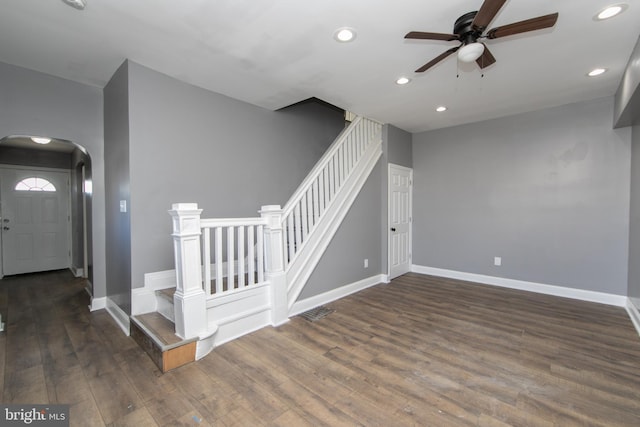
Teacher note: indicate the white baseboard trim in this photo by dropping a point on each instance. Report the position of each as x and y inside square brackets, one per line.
[634, 314]
[98, 304]
[334, 294]
[159, 280]
[121, 318]
[166, 279]
[559, 291]
[143, 300]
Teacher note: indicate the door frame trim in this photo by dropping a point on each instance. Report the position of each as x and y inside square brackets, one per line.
[410, 170]
[69, 206]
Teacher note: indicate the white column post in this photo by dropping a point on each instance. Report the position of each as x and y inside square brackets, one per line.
[274, 254]
[189, 300]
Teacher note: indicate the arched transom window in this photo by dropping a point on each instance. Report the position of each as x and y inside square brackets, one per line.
[35, 184]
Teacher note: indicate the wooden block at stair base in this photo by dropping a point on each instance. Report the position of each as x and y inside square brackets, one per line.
[147, 344]
[165, 357]
[178, 356]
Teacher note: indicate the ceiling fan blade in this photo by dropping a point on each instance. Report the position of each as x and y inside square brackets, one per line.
[487, 12]
[431, 36]
[532, 24]
[437, 59]
[486, 59]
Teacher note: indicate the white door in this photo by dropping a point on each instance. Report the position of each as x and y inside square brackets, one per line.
[400, 190]
[35, 220]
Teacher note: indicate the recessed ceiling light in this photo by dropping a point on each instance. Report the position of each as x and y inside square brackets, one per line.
[441, 108]
[344, 34]
[403, 80]
[611, 11]
[40, 140]
[76, 4]
[596, 72]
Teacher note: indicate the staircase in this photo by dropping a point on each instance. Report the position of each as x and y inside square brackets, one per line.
[237, 275]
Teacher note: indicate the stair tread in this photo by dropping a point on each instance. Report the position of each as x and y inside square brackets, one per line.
[167, 293]
[161, 327]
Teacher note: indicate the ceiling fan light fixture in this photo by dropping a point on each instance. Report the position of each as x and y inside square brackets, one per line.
[611, 11]
[403, 80]
[76, 4]
[596, 72]
[40, 140]
[344, 35]
[470, 52]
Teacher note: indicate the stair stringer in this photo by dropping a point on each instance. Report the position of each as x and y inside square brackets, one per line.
[306, 260]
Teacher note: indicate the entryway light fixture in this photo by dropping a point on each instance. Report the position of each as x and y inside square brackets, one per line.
[596, 72]
[76, 4]
[344, 34]
[40, 140]
[611, 11]
[441, 108]
[470, 52]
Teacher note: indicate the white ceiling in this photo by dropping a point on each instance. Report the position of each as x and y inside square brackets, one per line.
[274, 53]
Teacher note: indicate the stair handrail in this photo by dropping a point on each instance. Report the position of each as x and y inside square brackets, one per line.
[319, 166]
[316, 193]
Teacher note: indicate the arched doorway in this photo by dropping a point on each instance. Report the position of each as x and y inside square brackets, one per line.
[25, 154]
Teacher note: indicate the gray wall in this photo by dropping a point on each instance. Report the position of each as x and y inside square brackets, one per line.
[191, 145]
[634, 226]
[36, 158]
[627, 100]
[117, 188]
[548, 191]
[398, 146]
[358, 238]
[627, 111]
[32, 103]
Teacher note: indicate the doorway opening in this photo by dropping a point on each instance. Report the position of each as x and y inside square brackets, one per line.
[26, 161]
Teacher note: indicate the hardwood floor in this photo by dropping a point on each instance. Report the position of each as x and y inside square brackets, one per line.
[420, 351]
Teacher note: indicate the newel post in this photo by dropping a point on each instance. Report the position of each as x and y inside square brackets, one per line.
[274, 259]
[189, 300]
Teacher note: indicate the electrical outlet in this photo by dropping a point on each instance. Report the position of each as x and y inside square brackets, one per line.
[497, 261]
[123, 205]
[366, 263]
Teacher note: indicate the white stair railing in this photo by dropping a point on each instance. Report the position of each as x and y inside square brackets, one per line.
[312, 216]
[308, 204]
[282, 247]
[237, 254]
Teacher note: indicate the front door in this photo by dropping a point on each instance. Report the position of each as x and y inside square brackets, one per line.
[400, 186]
[35, 220]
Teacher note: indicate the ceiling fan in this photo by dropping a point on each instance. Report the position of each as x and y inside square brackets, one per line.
[470, 27]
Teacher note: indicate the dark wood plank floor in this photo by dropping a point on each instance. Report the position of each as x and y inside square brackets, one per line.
[420, 351]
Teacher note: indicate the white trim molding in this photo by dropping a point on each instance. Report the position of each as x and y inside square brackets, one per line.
[143, 300]
[335, 294]
[98, 304]
[121, 318]
[634, 314]
[540, 288]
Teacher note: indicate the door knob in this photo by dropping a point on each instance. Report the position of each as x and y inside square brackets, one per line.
[393, 229]
[5, 228]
